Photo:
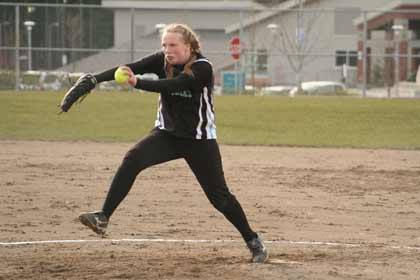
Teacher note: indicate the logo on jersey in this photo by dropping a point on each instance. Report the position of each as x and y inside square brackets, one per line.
[184, 93]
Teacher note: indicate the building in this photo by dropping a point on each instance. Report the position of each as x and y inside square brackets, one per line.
[283, 42]
[137, 24]
[324, 41]
[395, 34]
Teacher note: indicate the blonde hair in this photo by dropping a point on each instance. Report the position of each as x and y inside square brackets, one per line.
[190, 38]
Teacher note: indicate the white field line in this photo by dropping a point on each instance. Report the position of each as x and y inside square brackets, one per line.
[148, 240]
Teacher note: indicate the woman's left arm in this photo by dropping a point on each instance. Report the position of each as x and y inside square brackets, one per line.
[201, 76]
[181, 82]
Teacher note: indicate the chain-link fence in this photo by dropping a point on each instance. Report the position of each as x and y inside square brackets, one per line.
[284, 49]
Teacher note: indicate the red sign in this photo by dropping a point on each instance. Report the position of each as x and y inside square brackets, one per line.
[235, 47]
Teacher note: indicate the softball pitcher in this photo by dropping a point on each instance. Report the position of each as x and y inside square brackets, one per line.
[184, 128]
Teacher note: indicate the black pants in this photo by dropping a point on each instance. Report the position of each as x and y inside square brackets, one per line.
[202, 156]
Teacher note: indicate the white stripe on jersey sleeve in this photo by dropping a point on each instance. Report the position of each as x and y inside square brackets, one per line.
[210, 127]
[159, 118]
[200, 119]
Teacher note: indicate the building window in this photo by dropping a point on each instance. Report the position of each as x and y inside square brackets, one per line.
[256, 61]
[262, 60]
[346, 57]
[352, 57]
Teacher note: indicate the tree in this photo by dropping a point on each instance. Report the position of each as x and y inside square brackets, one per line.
[296, 44]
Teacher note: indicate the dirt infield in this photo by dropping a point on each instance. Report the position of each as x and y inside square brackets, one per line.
[366, 202]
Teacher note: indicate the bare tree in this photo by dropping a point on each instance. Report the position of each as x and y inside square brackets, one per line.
[296, 44]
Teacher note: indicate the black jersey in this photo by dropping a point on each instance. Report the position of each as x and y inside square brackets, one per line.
[185, 107]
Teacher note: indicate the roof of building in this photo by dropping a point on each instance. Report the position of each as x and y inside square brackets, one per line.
[184, 5]
[263, 15]
[389, 7]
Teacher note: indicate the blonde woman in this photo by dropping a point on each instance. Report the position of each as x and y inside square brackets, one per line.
[184, 128]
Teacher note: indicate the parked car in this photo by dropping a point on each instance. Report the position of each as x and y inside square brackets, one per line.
[54, 80]
[276, 90]
[320, 88]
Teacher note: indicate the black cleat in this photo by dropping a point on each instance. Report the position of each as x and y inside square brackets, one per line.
[96, 221]
[258, 250]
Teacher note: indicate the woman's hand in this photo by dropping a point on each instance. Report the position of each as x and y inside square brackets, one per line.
[132, 80]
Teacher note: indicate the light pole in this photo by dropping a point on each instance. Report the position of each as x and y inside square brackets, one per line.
[272, 27]
[29, 25]
[300, 35]
[397, 32]
[49, 30]
[5, 23]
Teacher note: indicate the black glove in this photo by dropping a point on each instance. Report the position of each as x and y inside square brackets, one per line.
[80, 89]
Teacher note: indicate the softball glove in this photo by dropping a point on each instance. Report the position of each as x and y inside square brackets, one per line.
[78, 91]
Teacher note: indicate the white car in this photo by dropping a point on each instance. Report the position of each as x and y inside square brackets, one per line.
[320, 88]
[276, 90]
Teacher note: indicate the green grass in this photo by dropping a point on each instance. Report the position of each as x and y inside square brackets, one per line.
[247, 120]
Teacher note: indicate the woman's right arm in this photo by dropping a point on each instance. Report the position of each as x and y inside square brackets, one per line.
[149, 64]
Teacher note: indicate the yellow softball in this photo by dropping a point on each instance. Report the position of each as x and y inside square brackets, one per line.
[121, 76]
